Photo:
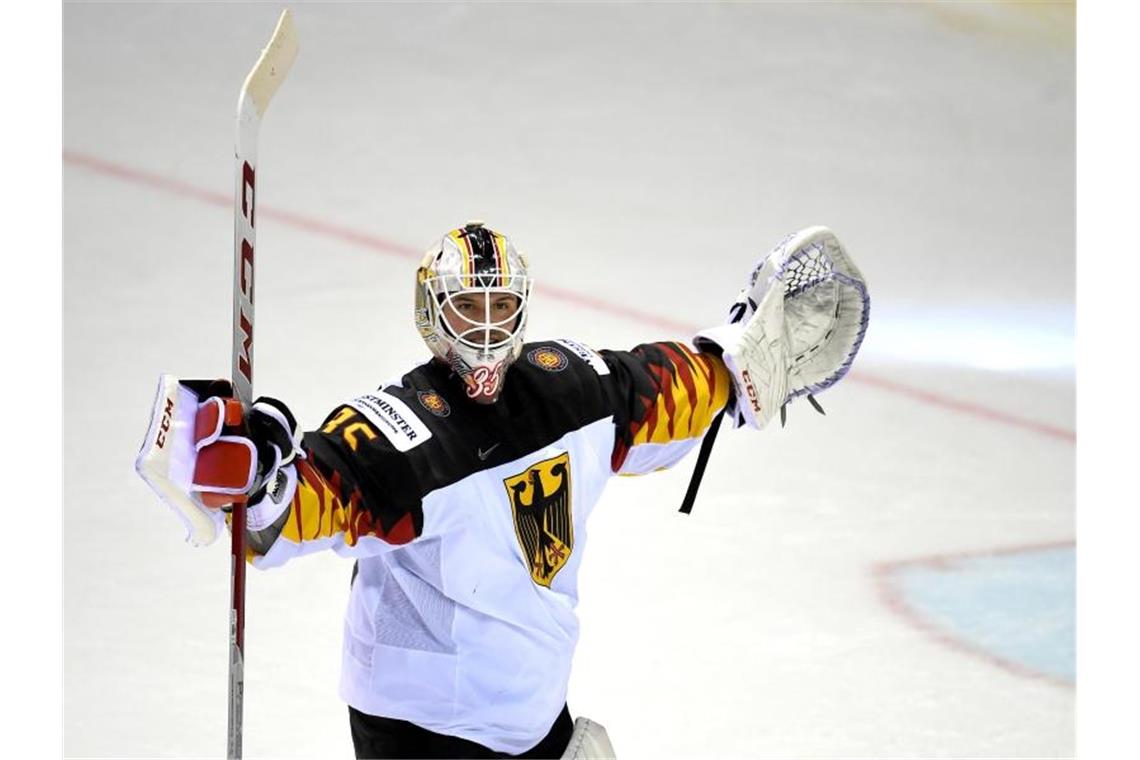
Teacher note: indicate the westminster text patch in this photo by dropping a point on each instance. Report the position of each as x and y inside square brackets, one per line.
[393, 418]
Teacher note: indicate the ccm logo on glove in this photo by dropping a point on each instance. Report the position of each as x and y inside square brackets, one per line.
[164, 426]
[753, 397]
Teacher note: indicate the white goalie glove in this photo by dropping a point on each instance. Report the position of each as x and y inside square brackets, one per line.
[795, 329]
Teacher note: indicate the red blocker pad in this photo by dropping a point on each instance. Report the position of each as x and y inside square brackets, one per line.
[227, 466]
[214, 415]
[167, 459]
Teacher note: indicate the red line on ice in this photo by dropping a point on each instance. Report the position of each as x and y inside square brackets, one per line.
[366, 240]
[891, 596]
[964, 407]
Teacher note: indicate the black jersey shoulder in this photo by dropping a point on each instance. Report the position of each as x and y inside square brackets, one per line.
[433, 435]
[550, 390]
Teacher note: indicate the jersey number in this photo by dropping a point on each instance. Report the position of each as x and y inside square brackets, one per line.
[350, 431]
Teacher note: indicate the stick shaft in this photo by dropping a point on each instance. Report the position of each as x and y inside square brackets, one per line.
[242, 378]
[237, 633]
[266, 76]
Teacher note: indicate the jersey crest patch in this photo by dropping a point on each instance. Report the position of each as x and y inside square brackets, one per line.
[544, 524]
[434, 403]
[549, 359]
[393, 418]
[586, 354]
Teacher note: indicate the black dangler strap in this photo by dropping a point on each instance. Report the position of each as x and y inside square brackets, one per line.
[702, 462]
[735, 314]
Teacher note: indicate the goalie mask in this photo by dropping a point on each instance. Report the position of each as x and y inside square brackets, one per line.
[472, 289]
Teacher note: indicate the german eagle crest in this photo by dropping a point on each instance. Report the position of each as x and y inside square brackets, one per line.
[540, 503]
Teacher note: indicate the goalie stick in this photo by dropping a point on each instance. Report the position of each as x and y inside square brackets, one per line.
[259, 87]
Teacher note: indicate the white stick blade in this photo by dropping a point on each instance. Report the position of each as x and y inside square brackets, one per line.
[273, 65]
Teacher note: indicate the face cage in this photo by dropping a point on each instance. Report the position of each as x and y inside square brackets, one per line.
[474, 344]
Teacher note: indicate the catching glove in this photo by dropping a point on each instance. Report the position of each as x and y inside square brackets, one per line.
[795, 329]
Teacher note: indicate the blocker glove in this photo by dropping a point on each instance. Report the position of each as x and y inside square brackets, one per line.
[202, 455]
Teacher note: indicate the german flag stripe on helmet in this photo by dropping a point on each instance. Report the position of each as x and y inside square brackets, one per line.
[483, 252]
[500, 244]
[459, 237]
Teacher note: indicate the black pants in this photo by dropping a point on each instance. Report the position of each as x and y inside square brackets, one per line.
[376, 737]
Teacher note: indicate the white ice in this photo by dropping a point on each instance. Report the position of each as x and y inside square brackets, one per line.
[643, 156]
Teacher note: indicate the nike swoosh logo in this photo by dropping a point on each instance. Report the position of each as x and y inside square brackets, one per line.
[484, 454]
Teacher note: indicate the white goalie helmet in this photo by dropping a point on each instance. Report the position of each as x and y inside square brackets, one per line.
[472, 291]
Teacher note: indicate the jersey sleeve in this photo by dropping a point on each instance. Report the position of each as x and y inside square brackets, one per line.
[665, 396]
[355, 495]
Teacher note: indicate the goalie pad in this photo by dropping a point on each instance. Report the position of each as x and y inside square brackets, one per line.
[800, 324]
[589, 742]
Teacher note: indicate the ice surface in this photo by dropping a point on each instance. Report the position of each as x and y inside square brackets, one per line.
[1016, 609]
[643, 156]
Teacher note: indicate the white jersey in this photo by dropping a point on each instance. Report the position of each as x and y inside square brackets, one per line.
[468, 523]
